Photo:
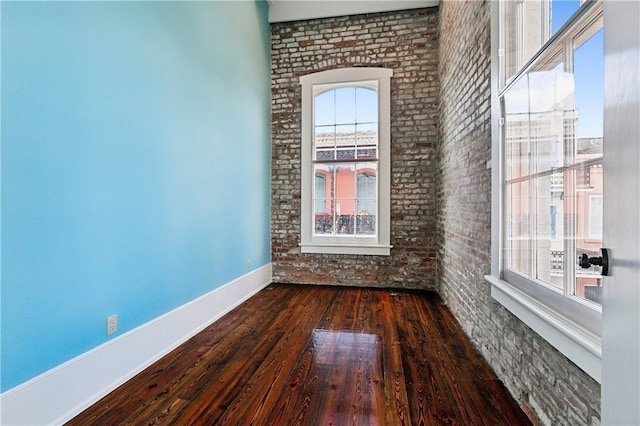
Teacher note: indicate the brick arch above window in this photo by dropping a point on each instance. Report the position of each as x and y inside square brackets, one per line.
[355, 61]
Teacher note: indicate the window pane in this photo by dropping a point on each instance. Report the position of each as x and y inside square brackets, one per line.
[346, 142]
[345, 106]
[539, 121]
[561, 11]
[367, 140]
[324, 108]
[518, 227]
[367, 194]
[366, 188]
[589, 86]
[516, 130]
[345, 197]
[320, 193]
[526, 27]
[323, 203]
[367, 106]
[325, 142]
[548, 238]
[323, 224]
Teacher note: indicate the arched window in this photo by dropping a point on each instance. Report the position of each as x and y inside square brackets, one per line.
[346, 161]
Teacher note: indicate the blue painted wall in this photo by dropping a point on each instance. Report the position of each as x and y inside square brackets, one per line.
[135, 166]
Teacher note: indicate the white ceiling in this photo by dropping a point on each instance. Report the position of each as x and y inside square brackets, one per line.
[295, 10]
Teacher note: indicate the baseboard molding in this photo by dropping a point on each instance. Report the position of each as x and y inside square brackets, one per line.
[61, 393]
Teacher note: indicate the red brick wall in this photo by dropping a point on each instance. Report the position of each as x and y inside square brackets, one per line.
[407, 42]
[545, 383]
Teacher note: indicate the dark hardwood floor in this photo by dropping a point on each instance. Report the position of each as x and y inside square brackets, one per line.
[309, 355]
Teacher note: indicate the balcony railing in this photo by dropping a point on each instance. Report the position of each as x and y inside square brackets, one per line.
[360, 224]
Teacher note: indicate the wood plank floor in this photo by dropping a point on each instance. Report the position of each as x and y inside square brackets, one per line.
[310, 355]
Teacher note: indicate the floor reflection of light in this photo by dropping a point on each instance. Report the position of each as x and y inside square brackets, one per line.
[339, 346]
[348, 369]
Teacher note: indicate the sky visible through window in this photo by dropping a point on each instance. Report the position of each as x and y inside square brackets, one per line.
[347, 106]
[588, 72]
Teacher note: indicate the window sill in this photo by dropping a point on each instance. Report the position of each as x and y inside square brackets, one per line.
[367, 250]
[581, 346]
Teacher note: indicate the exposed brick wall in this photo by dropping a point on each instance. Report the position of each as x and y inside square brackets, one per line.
[407, 42]
[545, 383]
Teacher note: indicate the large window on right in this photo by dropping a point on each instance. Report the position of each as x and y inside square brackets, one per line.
[550, 92]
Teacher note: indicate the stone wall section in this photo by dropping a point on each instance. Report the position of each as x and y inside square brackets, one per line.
[550, 388]
[407, 42]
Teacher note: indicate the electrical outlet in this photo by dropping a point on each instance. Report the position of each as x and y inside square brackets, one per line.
[112, 324]
[248, 265]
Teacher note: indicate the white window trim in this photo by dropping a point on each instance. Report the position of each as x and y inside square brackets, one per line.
[379, 245]
[536, 306]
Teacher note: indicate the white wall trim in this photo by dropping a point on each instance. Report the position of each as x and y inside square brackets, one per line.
[581, 346]
[61, 393]
[371, 250]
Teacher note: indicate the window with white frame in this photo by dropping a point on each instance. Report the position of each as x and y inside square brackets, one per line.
[548, 78]
[345, 164]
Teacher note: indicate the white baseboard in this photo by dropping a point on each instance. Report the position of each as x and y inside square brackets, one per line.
[61, 393]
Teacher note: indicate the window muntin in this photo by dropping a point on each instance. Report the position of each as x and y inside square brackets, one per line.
[552, 151]
[346, 153]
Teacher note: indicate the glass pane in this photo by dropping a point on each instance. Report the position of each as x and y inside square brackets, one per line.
[561, 11]
[589, 85]
[549, 238]
[367, 189]
[516, 130]
[345, 105]
[525, 28]
[345, 224]
[324, 108]
[366, 106]
[346, 142]
[367, 195]
[367, 140]
[518, 224]
[320, 193]
[324, 142]
[552, 115]
[323, 224]
[345, 198]
[323, 200]
[366, 223]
